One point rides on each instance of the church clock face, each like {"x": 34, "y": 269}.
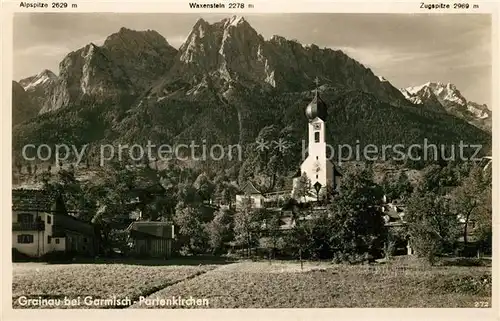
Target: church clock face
{"x": 317, "y": 166}
{"x": 316, "y": 126}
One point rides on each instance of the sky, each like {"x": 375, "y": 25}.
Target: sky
{"x": 406, "y": 49}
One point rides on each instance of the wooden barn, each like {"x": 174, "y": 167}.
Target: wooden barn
{"x": 151, "y": 239}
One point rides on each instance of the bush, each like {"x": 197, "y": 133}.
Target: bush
{"x": 58, "y": 257}
{"x": 465, "y": 261}
{"x": 352, "y": 258}
{"x": 119, "y": 241}
{"x": 389, "y": 249}
{"x": 272, "y": 246}
{"x": 467, "y": 249}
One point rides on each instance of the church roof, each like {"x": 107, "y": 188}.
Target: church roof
{"x": 298, "y": 173}
{"x": 249, "y": 189}
{"x": 317, "y": 107}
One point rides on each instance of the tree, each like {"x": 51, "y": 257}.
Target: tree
{"x": 282, "y": 153}
{"x": 119, "y": 239}
{"x": 18, "y": 165}
{"x": 204, "y": 187}
{"x": 484, "y": 217}
{"x": 302, "y": 188}
{"x": 273, "y": 239}
{"x": 400, "y": 188}
{"x": 191, "y": 228}
{"x": 111, "y": 199}
{"x": 220, "y": 230}
{"x": 431, "y": 226}
{"x": 228, "y": 193}
{"x": 246, "y": 224}
{"x": 45, "y": 178}
{"x": 431, "y": 179}
{"x": 187, "y": 193}
{"x": 312, "y": 234}
{"x": 78, "y": 200}
{"x": 357, "y": 228}
{"x": 225, "y": 191}
{"x": 469, "y": 198}
{"x": 386, "y": 186}
{"x": 270, "y": 157}
{"x": 484, "y": 221}
{"x": 437, "y": 179}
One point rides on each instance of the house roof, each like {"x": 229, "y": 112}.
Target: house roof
{"x": 37, "y": 200}
{"x": 155, "y": 229}
{"x": 64, "y": 223}
{"x": 393, "y": 214}
{"x": 249, "y": 189}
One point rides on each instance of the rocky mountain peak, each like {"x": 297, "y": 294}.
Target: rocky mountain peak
{"x": 227, "y": 50}
{"x": 201, "y": 23}
{"x": 446, "y": 96}
{"x": 40, "y": 79}
{"x": 47, "y": 73}
{"x": 278, "y": 40}
{"x": 445, "y": 92}
{"x": 232, "y": 51}
{"x": 128, "y": 38}
{"x": 37, "y": 88}
{"x": 125, "y": 30}
{"x": 204, "y": 34}
{"x": 128, "y": 62}
{"x": 235, "y": 21}
{"x": 89, "y": 50}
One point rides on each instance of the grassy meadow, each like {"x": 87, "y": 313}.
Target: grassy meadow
{"x": 264, "y": 284}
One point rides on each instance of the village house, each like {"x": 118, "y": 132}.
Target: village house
{"x": 41, "y": 224}
{"x": 151, "y": 239}
{"x": 248, "y": 191}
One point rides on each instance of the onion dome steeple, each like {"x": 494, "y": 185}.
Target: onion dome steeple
{"x": 317, "y": 107}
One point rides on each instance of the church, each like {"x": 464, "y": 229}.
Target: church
{"x": 320, "y": 171}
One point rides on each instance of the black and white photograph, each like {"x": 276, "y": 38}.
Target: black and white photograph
{"x": 260, "y": 160}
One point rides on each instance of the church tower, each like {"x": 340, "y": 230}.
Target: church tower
{"x": 318, "y": 168}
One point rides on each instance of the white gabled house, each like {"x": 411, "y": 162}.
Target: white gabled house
{"x": 41, "y": 224}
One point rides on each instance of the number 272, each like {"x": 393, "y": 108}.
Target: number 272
{"x": 481, "y": 304}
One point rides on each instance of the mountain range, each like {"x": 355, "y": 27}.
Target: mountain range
{"x": 223, "y": 85}
{"x": 449, "y": 99}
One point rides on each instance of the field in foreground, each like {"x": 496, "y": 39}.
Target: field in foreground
{"x": 99, "y": 281}
{"x": 262, "y": 284}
